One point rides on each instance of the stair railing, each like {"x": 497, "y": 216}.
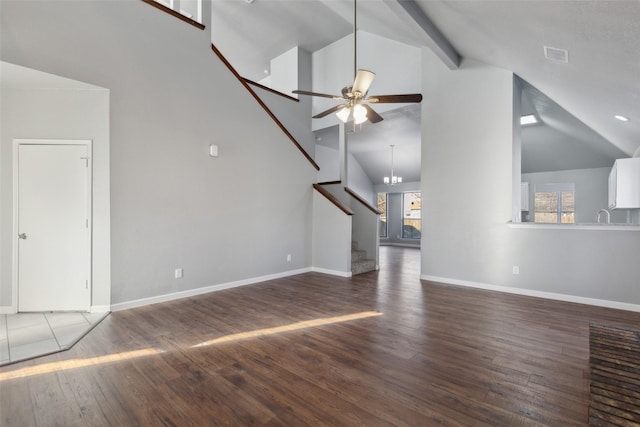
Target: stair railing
{"x": 189, "y": 11}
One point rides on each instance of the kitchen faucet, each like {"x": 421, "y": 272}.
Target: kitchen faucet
{"x": 608, "y": 216}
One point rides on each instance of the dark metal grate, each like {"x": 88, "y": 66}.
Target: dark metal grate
{"x": 614, "y": 365}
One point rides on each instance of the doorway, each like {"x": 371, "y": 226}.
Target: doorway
{"x": 53, "y": 223}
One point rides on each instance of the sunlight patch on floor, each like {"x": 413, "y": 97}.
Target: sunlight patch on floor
{"x": 291, "y": 327}
{"x": 64, "y": 365}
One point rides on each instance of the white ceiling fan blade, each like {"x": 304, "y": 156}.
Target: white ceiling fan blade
{"x": 362, "y": 82}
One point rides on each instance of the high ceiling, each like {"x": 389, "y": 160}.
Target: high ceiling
{"x": 598, "y": 81}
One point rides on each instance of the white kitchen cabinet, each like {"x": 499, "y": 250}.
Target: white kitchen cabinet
{"x": 624, "y": 184}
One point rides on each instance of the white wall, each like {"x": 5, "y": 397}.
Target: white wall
{"x": 359, "y": 182}
{"x": 284, "y": 71}
{"x": 295, "y": 116}
{"x": 467, "y": 164}
{"x": 331, "y": 237}
{"x": 59, "y": 114}
{"x": 222, "y": 220}
{"x": 329, "y": 161}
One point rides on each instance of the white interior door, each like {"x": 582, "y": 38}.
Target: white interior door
{"x": 54, "y": 252}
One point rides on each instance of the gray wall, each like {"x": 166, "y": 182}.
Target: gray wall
{"x": 47, "y": 113}
{"x": 295, "y": 116}
{"x": 329, "y": 161}
{"x": 222, "y": 219}
{"x": 394, "y": 219}
{"x": 467, "y": 178}
{"x": 332, "y": 230}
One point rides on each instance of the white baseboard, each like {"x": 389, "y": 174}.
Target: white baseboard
{"x": 331, "y": 272}
{"x": 204, "y": 290}
{"x": 6, "y": 309}
{"x": 533, "y": 293}
{"x": 99, "y": 308}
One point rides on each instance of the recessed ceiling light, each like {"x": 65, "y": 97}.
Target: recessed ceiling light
{"x": 529, "y": 119}
{"x": 621, "y": 118}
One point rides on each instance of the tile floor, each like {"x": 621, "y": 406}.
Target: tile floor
{"x": 27, "y": 335}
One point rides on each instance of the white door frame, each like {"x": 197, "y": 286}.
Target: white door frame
{"x": 14, "y": 246}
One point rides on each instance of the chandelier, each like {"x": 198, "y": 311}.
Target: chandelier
{"x": 392, "y": 180}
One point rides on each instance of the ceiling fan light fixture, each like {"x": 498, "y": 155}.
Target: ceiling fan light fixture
{"x": 359, "y": 114}
{"x": 343, "y": 114}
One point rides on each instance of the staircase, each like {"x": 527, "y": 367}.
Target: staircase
{"x": 359, "y": 262}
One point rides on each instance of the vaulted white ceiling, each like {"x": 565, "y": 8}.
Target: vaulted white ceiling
{"x": 598, "y": 81}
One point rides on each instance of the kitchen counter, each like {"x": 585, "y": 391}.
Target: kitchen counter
{"x": 592, "y": 226}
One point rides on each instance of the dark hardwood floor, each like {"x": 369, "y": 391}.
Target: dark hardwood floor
{"x": 381, "y": 348}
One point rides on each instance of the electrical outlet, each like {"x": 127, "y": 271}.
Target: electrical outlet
{"x": 516, "y": 269}
{"x": 178, "y": 273}
{"x": 288, "y": 257}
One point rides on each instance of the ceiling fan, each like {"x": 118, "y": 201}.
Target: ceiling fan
{"x": 355, "y": 97}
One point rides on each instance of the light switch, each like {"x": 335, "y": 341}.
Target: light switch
{"x": 213, "y": 150}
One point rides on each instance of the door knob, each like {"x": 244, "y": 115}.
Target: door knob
{"x": 22, "y": 236}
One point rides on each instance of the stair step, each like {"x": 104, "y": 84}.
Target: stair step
{"x": 362, "y": 266}
{"x": 358, "y": 255}
{"x": 359, "y": 262}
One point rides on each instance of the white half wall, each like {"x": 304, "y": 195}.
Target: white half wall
{"x": 284, "y": 71}
{"x": 329, "y": 161}
{"x": 331, "y": 238}
{"x": 467, "y": 188}
{"x": 294, "y": 115}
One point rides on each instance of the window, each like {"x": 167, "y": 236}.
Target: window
{"x": 382, "y": 207}
{"x": 411, "y": 215}
{"x": 554, "y": 203}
